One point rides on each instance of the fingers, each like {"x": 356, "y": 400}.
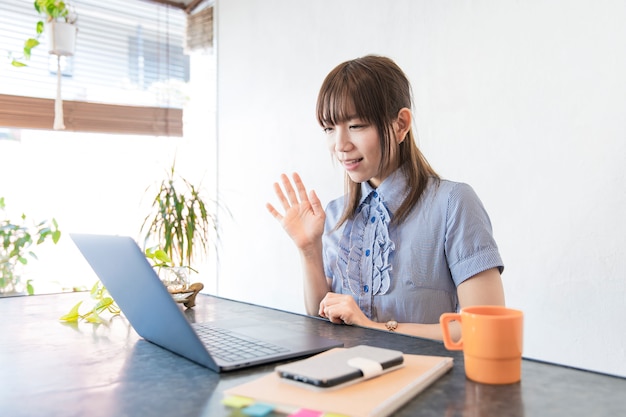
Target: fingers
{"x": 291, "y": 193}
{"x": 324, "y": 304}
{"x": 321, "y": 311}
{"x": 281, "y": 196}
{"x": 300, "y": 187}
{"x": 274, "y": 212}
{"x": 289, "y": 197}
{"x": 341, "y": 309}
{"x": 332, "y": 313}
{"x": 331, "y": 308}
{"x": 335, "y": 315}
{"x": 316, "y": 204}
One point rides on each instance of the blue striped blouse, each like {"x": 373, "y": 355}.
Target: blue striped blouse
{"x": 409, "y": 272}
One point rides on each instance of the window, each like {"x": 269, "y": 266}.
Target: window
{"x": 92, "y": 181}
{"x": 130, "y": 63}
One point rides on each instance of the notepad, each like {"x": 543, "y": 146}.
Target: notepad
{"x": 375, "y": 397}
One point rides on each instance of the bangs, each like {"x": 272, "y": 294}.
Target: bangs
{"x": 335, "y": 104}
{"x": 350, "y": 91}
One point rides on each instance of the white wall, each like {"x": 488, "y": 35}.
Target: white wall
{"x": 523, "y": 100}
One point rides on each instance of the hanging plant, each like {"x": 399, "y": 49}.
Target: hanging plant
{"x": 52, "y": 11}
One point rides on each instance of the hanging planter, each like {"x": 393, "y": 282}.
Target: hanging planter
{"x": 61, "y": 38}
{"x": 54, "y": 12}
{"x": 60, "y": 30}
{"x": 61, "y": 42}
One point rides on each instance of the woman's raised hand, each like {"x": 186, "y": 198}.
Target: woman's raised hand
{"x": 303, "y": 217}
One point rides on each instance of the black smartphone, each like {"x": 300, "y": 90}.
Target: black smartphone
{"x": 342, "y": 366}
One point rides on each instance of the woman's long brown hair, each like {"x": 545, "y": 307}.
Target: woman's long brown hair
{"x": 375, "y": 88}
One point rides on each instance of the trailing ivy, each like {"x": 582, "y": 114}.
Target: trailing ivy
{"x": 103, "y": 303}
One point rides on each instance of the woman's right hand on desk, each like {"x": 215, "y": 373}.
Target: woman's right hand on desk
{"x": 303, "y": 217}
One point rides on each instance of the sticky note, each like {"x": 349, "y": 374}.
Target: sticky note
{"x": 304, "y": 412}
{"x": 236, "y": 401}
{"x": 258, "y": 410}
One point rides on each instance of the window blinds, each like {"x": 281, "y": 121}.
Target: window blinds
{"x": 128, "y": 74}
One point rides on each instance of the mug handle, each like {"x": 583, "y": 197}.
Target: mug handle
{"x": 444, "y": 320}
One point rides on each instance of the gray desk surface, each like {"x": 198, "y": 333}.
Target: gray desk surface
{"x": 48, "y": 368}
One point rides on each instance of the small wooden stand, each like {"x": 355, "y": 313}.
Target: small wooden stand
{"x": 187, "y": 296}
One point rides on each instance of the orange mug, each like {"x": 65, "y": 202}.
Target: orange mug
{"x": 491, "y": 341}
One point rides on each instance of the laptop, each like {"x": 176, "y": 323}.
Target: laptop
{"x": 136, "y": 288}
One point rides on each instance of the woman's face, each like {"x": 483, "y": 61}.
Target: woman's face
{"x": 356, "y": 145}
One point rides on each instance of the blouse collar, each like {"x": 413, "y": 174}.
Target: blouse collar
{"x": 390, "y": 192}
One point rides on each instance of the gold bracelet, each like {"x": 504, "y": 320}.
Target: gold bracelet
{"x": 391, "y": 325}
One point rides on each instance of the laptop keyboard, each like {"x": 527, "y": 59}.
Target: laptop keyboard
{"x": 231, "y": 347}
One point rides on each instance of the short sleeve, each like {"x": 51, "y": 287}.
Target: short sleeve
{"x": 470, "y": 246}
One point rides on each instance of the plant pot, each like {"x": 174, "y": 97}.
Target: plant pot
{"x": 61, "y": 38}
{"x": 178, "y": 283}
{"x": 175, "y": 278}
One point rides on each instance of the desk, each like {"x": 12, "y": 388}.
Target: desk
{"x": 48, "y": 368}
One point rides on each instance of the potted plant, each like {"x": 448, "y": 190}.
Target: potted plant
{"x": 60, "y": 28}
{"x": 179, "y": 230}
{"x": 16, "y": 240}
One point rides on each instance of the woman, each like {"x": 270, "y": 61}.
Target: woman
{"x": 401, "y": 246}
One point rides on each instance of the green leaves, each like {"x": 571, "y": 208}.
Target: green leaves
{"x": 29, "y": 287}
{"x": 16, "y": 241}
{"x": 104, "y": 303}
{"x": 180, "y": 222}
{"x": 73, "y": 314}
{"x": 29, "y": 45}
{"x": 159, "y": 257}
{"x": 17, "y": 63}
{"x": 53, "y": 10}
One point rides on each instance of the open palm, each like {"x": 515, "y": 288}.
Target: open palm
{"x": 303, "y": 217}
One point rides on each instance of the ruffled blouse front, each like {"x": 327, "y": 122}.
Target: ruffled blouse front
{"x": 365, "y": 247}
